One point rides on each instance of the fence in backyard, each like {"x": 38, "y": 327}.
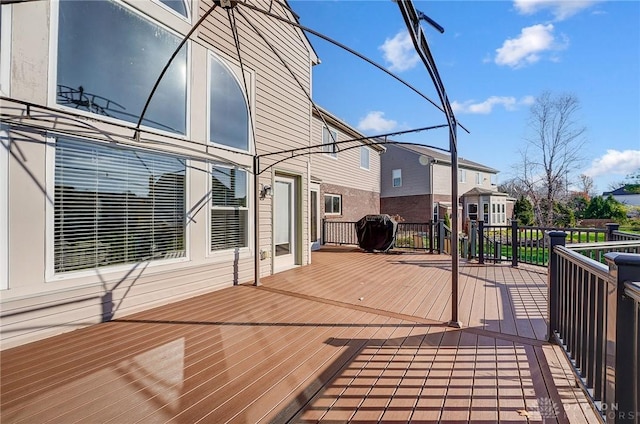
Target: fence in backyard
{"x": 594, "y": 311}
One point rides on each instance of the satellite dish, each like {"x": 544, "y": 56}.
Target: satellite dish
{"x": 424, "y": 160}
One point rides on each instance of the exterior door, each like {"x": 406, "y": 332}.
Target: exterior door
{"x": 314, "y": 221}
{"x": 284, "y": 231}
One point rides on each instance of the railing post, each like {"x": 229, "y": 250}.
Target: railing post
{"x": 323, "y": 231}
{"x": 441, "y": 236}
{"x": 481, "y": 242}
{"x": 473, "y": 236}
{"x": 611, "y": 227}
{"x": 619, "y": 386}
{"x": 432, "y": 228}
{"x": 556, "y": 238}
{"x": 514, "y": 242}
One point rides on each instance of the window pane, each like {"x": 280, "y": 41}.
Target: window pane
{"x": 328, "y": 204}
{"x": 179, "y": 6}
{"x": 116, "y": 206}
{"x": 228, "y": 228}
{"x": 109, "y": 59}
{"x": 329, "y": 137}
{"x": 364, "y": 157}
{"x": 336, "y": 204}
{"x": 229, "y": 116}
{"x": 228, "y": 187}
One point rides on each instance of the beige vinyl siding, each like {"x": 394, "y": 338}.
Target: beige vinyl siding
{"x": 442, "y": 180}
{"x": 34, "y": 308}
{"x": 344, "y": 170}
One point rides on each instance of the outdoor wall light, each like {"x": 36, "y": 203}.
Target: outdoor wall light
{"x": 265, "y": 191}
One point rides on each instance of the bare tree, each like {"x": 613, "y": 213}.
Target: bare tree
{"x": 585, "y": 185}
{"x": 552, "y": 153}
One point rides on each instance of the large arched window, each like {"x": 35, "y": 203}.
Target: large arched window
{"x": 228, "y": 111}
{"x": 109, "y": 57}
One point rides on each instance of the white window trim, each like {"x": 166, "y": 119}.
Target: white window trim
{"x": 333, "y": 213}
{"x": 5, "y": 143}
{"x": 368, "y": 150}
{"x": 478, "y": 178}
{"x": 462, "y": 175}
{"x": 229, "y": 254}
{"x": 393, "y": 178}
{"x": 188, "y": 4}
{"x": 53, "y": 75}
{"x": 333, "y": 155}
{"x": 102, "y": 272}
{"x": 5, "y": 46}
{"x": 249, "y": 99}
{"x": 468, "y": 212}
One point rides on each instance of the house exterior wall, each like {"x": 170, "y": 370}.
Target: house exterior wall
{"x": 343, "y": 175}
{"x": 356, "y": 203}
{"x": 413, "y": 209}
{"x": 37, "y": 302}
{"x": 415, "y": 177}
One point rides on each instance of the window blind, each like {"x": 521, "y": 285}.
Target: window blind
{"x": 116, "y": 206}
{"x": 229, "y": 209}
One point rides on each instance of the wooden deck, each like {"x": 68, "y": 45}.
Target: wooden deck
{"x": 354, "y": 337}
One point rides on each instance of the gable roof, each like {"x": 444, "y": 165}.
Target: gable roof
{"x": 333, "y": 120}
{"x": 444, "y": 157}
{"x": 479, "y": 191}
{"x": 622, "y": 191}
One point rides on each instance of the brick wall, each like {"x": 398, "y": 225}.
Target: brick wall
{"x": 410, "y": 208}
{"x": 355, "y": 203}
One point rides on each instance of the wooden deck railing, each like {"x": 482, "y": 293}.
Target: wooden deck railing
{"x": 594, "y": 315}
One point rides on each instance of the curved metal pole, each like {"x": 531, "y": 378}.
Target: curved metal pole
{"x": 166, "y": 67}
{"x": 350, "y": 50}
{"x": 412, "y": 21}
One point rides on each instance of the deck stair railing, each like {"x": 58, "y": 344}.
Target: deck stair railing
{"x": 594, "y": 314}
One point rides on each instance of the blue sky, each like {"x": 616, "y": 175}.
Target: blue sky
{"x": 494, "y": 58}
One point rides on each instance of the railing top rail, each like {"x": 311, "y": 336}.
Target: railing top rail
{"x": 603, "y": 245}
{"x": 598, "y": 269}
{"x": 566, "y": 230}
{"x": 632, "y": 290}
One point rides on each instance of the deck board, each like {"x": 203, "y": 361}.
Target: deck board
{"x": 354, "y": 337}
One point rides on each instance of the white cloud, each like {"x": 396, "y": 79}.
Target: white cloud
{"x": 374, "y": 121}
{"x": 615, "y": 162}
{"x": 509, "y": 103}
{"x": 561, "y": 9}
{"x": 527, "y": 48}
{"x": 399, "y": 52}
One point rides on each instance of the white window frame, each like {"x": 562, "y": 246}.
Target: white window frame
{"x": 469, "y": 212}
{"x": 330, "y": 149}
{"x": 228, "y": 254}
{"x": 249, "y": 98}
{"x": 332, "y": 197}
{"x": 365, "y": 152}
{"x": 188, "y": 4}
{"x": 396, "y": 174}
{"x": 5, "y": 143}
{"x": 5, "y": 46}
{"x": 53, "y": 73}
{"x": 478, "y": 178}
{"x": 124, "y": 269}
{"x": 462, "y": 175}
{"x": 436, "y": 215}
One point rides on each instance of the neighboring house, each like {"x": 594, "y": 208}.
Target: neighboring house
{"x": 416, "y": 185}
{"x": 99, "y": 220}
{"x": 626, "y": 194}
{"x": 345, "y": 176}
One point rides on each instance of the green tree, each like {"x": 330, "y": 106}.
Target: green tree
{"x": 523, "y": 211}
{"x": 563, "y": 215}
{"x": 579, "y": 203}
{"x": 609, "y": 208}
